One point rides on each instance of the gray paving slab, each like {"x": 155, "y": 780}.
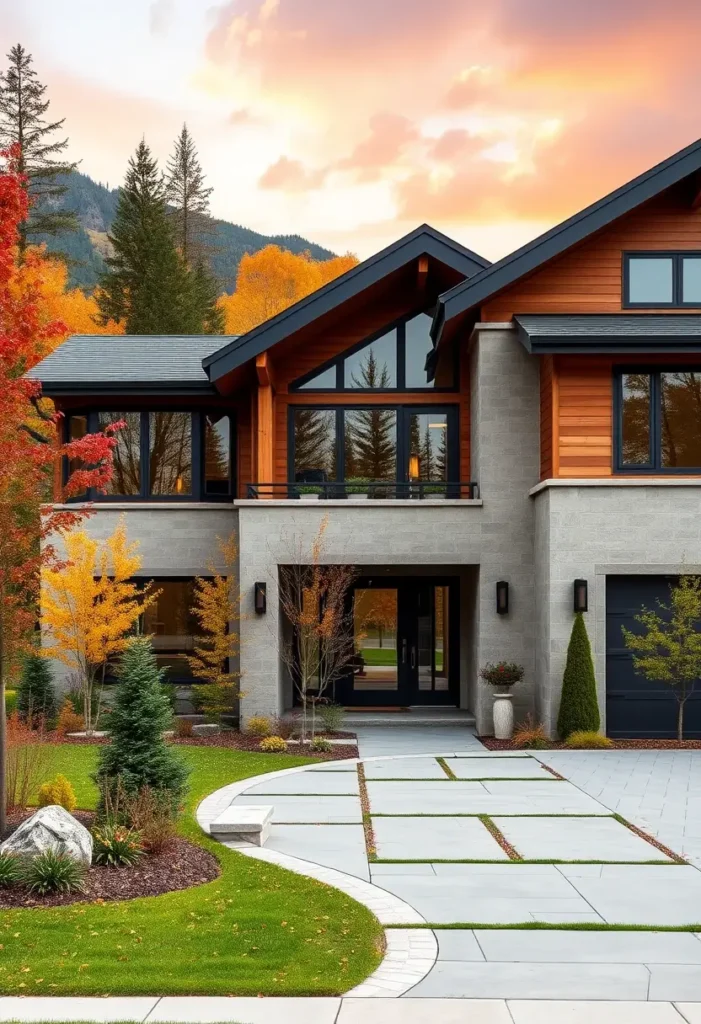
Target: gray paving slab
{"x": 378, "y": 740}
{"x": 494, "y": 871}
{"x": 580, "y": 870}
{"x": 536, "y": 1011}
{"x": 429, "y": 797}
{"x": 690, "y": 1011}
{"x": 334, "y": 766}
{"x": 578, "y": 947}
{"x": 378, "y": 871}
{"x": 310, "y": 809}
{"x": 309, "y": 783}
{"x": 405, "y": 768}
{"x": 674, "y": 982}
{"x": 423, "y": 1011}
{"x": 461, "y": 980}
{"x": 335, "y": 846}
{"x": 244, "y": 1010}
{"x": 77, "y": 1008}
{"x": 544, "y": 786}
{"x": 435, "y": 838}
{"x": 576, "y": 839}
{"x": 497, "y": 767}
{"x": 644, "y": 894}
{"x": 459, "y": 944}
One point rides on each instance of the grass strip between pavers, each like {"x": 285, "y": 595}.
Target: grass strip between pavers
{"x": 452, "y": 777}
{"x": 368, "y": 830}
{"x": 649, "y": 839}
{"x": 497, "y": 834}
{"x": 479, "y": 814}
{"x": 546, "y": 926}
{"x": 531, "y": 860}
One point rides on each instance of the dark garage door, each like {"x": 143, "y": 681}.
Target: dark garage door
{"x": 635, "y": 707}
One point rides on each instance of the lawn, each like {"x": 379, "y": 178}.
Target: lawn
{"x": 257, "y": 930}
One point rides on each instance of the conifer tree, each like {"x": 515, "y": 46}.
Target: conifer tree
{"x": 371, "y": 435}
{"x": 188, "y": 196}
{"x": 22, "y": 109}
{"x": 36, "y": 698}
{"x": 579, "y": 707}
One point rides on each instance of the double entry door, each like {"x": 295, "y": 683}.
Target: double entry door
{"x": 406, "y": 643}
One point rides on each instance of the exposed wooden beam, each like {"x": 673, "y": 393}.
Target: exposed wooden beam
{"x": 264, "y": 446}
{"x": 423, "y": 269}
{"x": 264, "y": 370}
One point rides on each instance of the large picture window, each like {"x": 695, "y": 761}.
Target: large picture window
{"x": 657, "y": 279}
{"x": 166, "y": 454}
{"x": 659, "y": 421}
{"x": 172, "y": 626}
{"x": 392, "y": 360}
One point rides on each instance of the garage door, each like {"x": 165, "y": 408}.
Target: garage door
{"x": 634, "y": 706}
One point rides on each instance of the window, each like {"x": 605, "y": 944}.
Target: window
{"x": 314, "y": 433}
{"x": 165, "y": 454}
{"x": 394, "y": 360}
{"x": 172, "y": 626}
{"x": 659, "y": 421}
{"x": 662, "y": 279}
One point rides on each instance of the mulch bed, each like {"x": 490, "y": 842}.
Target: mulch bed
{"x": 232, "y": 740}
{"x": 492, "y": 744}
{"x": 180, "y": 866}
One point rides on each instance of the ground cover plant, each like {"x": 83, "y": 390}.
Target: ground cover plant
{"x": 256, "y": 929}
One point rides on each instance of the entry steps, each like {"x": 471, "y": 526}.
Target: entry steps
{"x": 416, "y": 716}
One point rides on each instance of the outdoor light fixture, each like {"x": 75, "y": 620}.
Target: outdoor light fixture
{"x": 259, "y": 598}
{"x": 502, "y": 597}
{"x": 581, "y": 596}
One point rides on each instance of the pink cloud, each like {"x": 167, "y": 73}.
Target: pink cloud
{"x": 290, "y": 176}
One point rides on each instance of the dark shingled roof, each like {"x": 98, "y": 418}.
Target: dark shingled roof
{"x": 97, "y": 362}
{"x": 617, "y": 332}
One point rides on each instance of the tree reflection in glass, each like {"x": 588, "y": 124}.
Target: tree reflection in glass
{"x": 681, "y": 420}
{"x": 170, "y": 452}
{"x": 126, "y": 475}
{"x": 635, "y": 419}
{"x": 217, "y": 454}
{"x": 315, "y": 445}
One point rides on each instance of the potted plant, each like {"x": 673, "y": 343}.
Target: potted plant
{"x": 503, "y": 676}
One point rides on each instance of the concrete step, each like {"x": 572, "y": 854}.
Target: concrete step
{"x": 430, "y": 717}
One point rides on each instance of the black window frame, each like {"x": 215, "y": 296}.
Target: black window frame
{"x": 198, "y": 435}
{"x": 677, "y": 257}
{"x": 654, "y": 465}
{"x": 403, "y": 412}
{"x": 338, "y": 360}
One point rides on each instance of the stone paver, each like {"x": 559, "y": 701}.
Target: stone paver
{"x": 334, "y": 766}
{"x": 306, "y": 783}
{"x": 460, "y": 980}
{"x": 335, "y": 846}
{"x": 675, "y": 981}
{"x": 244, "y": 1010}
{"x": 495, "y": 768}
{"x": 405, "y": 768}
{"x": 644, "y": 894}
{"x": 576, "y": 839}
{"x": 573, "y": 947}
{"x": 536, "y": 1011}
{"x": 426, "y": 1011}
{"x": 444, "y": 838}
{"x": 331, "y": 810}
{"x": 473, "y": 798}
{"x": 384, "y": 741}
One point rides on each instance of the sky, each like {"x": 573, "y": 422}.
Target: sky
{"x": 350, "y": 122}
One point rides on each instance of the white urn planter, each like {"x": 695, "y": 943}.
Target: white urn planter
{"x": 503, "y": 716}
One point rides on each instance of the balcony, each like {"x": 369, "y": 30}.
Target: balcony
{"x": 372, "y": 490}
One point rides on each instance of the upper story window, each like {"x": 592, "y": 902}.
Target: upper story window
{"x": 165, "y": 454}
{"x": 659, "y": 421}
{"x": 393, "y": 360}
{"x": 656, "y": 279}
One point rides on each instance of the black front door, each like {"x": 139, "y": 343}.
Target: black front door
{"x": 406, "y": 643}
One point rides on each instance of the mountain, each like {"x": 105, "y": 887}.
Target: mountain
{"x": 95, "y": 205}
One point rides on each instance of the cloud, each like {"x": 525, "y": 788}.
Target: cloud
{"x": 160, "y": 15}
{"x": 290, "y": 176}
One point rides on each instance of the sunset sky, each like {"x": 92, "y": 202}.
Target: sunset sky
{"x": 352, "y": 121}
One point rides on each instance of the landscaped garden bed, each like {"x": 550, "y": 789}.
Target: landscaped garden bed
{"x": 618, "y": 744}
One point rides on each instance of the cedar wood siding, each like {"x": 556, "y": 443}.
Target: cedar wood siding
{"x": 576, "y": 437}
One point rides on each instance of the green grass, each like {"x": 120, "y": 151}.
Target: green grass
{"x": 256, "y": 930}
{"x": 379, "y": 655}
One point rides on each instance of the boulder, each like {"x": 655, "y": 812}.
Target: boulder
{"x": 51, "y": 828}
{"x": 206, "y": 729}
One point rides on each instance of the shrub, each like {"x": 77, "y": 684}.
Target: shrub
{"x": 26, "y": 761}
{"x": 583, "y": 740}
{"x": 183, "y": 728}
{"x": 320, "y": 745}
{"x": 150, "y": 813}
{"x": 138, "y": 754}
{"x": 272, "y": 745}
{"x": 68, "y": 719}
{"x": 504, "y": 673}
{"x": 215, "y": 700}
{"x": 285, "y": 727}
{"x": 259, "y": 725}
{"x": 531, "y": 735}
{"x": 36, "y": 698}
{"x": 579, "y": 708}
{"x": 116, "y": 845}
{"x": 10, "y": 702}
{"x": 58, "y": 791}
{"x": 10, "y": 869}
{"x": 332, "y": 715}
{"x": 53, "y": 872}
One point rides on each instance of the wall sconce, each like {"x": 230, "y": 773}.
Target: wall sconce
{"x": 259, "y": 598}
{"x": 581, "y": 596}
{"x": 502, "y": 597}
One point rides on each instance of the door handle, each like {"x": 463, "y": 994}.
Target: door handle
{"x": 403, "y": 652}
{"x": 413, "y": 657}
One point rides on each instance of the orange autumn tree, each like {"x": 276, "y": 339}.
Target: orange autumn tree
{"x": 90, "y": 606}
{"x": 272, "y": 279}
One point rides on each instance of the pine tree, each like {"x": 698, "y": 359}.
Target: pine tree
{"x": 22, "y": 122}
{"x": 138, "y": 755}
{"x": 371, "y": 435}
{"x": 36, "y": 698}
{"x": 207, "y": 317}
{"x": 188, "y": 196}
{"x": 579, "y": 708}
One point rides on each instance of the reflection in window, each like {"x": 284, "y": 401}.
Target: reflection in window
{"x": 172, "y": 627}
{"x": 217, "y": 454}
{"x": 314, "y": 445}
{"x": 77, "y": 428}
{"x": 651, "y": 279}
{"x": 680, "y": 396}
{"x": 170, "y": 452}
{"x": 370, "y": 444}
{"x": 691, "y": 279}
{"x": 373, "y": 366}
{"x": 375, "y": 629}
{"x": 428, "y": 446}
{"x": 126, "y": 474}
{"x": 635, "y": 419}
{"x": 324, "y": 381}
{"x": 417, "y": 346}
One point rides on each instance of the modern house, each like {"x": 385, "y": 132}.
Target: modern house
{"x": 487, "y": 444}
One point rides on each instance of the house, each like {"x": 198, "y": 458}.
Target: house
{"x": 487, "y": 444}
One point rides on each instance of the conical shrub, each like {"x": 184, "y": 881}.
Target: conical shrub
{"x": 36, "y": 697}
{"x": 579, "y": 708}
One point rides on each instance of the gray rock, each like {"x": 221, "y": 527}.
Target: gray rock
{"x": 51, "y": 828}
{"x": 206, "y": 729}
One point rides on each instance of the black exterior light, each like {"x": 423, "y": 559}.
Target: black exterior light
{"x": 581, "y": 596}
{"x": 259, "y": 598}
{"x": 502, "y": 597}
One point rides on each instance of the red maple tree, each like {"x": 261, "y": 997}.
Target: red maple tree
{"x": 30, "y": 450}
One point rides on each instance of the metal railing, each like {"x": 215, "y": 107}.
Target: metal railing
{"x": 373, "y": 490}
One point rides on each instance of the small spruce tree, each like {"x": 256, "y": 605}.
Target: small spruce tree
{"x": 579, "y": 708}
{"x": 36, "y": 697}
{"x": 138, "y": 754}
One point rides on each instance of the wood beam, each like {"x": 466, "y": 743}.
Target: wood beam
{"x": 264, "y": 427}
{"x": 696, "y": 201}
{"x": 422, "y": 271}
{"x": 263, "y": 369}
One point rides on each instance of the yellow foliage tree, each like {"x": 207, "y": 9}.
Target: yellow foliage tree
{"x": 217, "y": 609}
{"x": 89, "y": 606}
{"x": 272, "y": 279}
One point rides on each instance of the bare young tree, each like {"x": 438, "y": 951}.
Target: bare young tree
{"x": 313, "y": 598}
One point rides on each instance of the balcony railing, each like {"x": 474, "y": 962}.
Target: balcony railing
{"x": 372, "y": 490}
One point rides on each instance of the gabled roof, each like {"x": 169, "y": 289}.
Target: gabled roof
{"x": 552, "y": 333}
{"x": 423, "y": 240}
{"x": 133, "y": 362}
{"x": 557, "y": 240}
